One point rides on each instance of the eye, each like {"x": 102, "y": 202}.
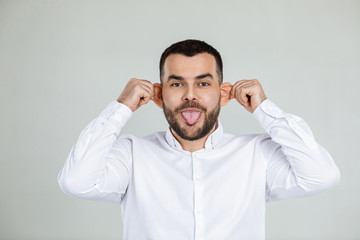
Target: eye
{"x": 176, "y": 84}
{"x": 204, "y": 84}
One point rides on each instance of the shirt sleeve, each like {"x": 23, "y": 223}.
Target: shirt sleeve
{"x": 297, "y": 166}
{"x": 98, "y": 165}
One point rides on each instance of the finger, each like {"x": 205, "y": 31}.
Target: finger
{"x": 237, "y": 90}
{"x": 240, "y": 96}
{"x": 139, "y": 84}
{"x": 147, "y": 91}
{"x": 143, "y": 101}
{"x": 245, "y": 93}
{"x": 138, "y": 93}
{"x": 141, "y": 94}
{"x": 146, "y": 96}
{"x": 243, "y": 96}
{"x": 146, "y": 83}
{"x": 239, "y": 84}
{"x": 248, "y": 93}
{"x": 234, "y": 87}
{"x": 244, "y": 83}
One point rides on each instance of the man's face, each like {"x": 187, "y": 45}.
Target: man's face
{"x": 191, "y": 95}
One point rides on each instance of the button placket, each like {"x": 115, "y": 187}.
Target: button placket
{"x": 198, "y": 198}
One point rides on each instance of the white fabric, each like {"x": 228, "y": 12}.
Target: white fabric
{"x": 218, "y": 192}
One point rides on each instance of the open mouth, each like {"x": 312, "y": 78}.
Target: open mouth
{"x": 191, "y": 116}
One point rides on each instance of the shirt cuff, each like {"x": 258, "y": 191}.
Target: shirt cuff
{"x": 270, "y": 115}
{"x": 267, "y": 112}
{"x": 117, "y": 112}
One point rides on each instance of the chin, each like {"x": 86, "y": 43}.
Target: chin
{"x": 192, "y": 133}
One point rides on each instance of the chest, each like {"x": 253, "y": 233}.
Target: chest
{"x": 231, "y": 172}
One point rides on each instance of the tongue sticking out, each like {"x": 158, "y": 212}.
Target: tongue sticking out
{"x": 190, "y": 116}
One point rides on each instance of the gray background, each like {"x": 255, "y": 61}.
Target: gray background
{"x": 62, "y": 62}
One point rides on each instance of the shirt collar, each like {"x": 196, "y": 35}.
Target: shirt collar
{"x": 210, "y": 143}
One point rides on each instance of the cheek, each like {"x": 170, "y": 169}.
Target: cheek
{"x": 212, "y": 99}
{"x": 171, "y": 96}
{"x": 170, "y": 101}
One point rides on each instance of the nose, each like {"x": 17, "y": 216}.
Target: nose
{"x": 190, "y": 94}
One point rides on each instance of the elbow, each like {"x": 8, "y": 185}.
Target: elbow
{"x": 322, "y": 182}
{"x": 325, "y": 175}
{"x": 332, "y": 178}
{"x": 330, "y": 174}
{"x": 67, "y": 185}
{"x": 72, "y": 186}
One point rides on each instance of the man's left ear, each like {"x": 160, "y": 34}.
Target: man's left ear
{"x": 225, "y": 89}
{"x": 157, "y": 99}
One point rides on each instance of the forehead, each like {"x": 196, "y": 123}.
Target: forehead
{"x": 188, "y": 67}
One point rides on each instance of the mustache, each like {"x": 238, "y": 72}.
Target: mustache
{"x": 190, "y": 104}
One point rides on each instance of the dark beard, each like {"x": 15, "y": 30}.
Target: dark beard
{"x": 209, "y": 122}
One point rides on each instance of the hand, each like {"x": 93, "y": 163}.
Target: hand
{"x": 248, "y": 93}
{"x": 136, "y": 93}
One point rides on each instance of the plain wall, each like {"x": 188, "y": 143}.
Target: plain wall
{"x": 62, "y": 62}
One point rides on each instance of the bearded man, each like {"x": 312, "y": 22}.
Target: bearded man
{"x": 194, "y": 181}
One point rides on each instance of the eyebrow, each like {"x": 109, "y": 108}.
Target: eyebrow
{"x": 204, "y": 76}
{"x": 176, "y": 77}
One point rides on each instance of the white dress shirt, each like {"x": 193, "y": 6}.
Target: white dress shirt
{"x": 216, "y": 193}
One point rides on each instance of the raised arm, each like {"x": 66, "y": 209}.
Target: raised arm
{"x": 297, "y": 166}
{"x": 99, "y": 166}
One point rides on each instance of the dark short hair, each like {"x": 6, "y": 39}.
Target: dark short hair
{"x": 189, "y": 48}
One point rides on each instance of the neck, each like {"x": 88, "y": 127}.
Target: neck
{"x": 194, "y": 145}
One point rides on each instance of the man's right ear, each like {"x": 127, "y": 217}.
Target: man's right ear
{"x": 157, "y": 99}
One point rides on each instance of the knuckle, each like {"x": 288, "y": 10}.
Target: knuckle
{"x": 137, "y": 88}
{"x": 133, "y": 81}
